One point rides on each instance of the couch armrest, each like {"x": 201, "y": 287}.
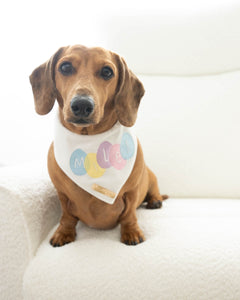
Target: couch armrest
{"x": 29, "y": 209}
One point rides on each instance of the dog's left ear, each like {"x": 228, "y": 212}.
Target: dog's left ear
{"x": 43, "y": 84}
{"x": 129, "y": 92}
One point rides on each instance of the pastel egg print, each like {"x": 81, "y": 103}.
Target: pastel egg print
{"x": 77, "y": 160}
{"x": 103, "y": 155}
{"x": 108, "y": 155}
{"x": 127, "y": 146}
{"x": 115, "y": 157}
{"x": 92, "y": 167}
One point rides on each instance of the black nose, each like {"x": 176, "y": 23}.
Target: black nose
{"x": 82, "y": 106}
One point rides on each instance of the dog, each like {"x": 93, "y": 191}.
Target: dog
{"x": 98, "y": 97}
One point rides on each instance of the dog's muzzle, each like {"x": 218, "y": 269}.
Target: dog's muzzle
{"x": 82, "y": 106}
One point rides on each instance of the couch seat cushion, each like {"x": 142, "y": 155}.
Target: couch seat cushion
{"x": 192, "y": 251}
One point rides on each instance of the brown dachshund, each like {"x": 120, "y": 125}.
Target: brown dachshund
{"x": 95, "y": 90}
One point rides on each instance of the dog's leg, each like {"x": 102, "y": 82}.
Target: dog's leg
{"x": 131, "y": 234}
{"x": 66, "y": 231}
{"x": 154, "y": 198}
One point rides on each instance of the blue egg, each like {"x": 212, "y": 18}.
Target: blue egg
{"x": 127, "y": 146}
{"x": 77, "y": 162}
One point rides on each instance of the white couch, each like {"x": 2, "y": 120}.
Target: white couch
{"x": 189, "y": 127}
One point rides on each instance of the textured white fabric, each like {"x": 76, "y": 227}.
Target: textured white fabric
{"x": 100, "y": 163}
{"x": 29, "y": 209}
{"x": 178, "y": 37}
{"x": 191, "y": 252}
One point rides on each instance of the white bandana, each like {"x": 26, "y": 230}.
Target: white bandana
{"x": 100, "y": 164}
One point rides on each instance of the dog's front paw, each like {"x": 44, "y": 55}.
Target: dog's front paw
{"x": 132, "y": 237}
{"x": 61, "y": 238}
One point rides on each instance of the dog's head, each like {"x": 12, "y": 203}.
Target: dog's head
{"x": 89, "y": 84}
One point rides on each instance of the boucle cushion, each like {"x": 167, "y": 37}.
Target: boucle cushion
{"x": 189, "y": 130}
{"x": 29, "y": 209}
{"x": 191, "y": 252}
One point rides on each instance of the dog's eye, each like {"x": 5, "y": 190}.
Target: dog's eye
{"x": 106, "y": 73}
{"x": 66, "y": 68}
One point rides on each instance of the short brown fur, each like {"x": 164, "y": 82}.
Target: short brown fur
{"x": 115, "y": 100}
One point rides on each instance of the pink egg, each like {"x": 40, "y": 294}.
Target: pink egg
{"x": 115, "y": 157}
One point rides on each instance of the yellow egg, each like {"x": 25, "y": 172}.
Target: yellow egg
{"x": 92, "y": 167}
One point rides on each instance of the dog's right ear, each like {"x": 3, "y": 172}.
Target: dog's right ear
{"x": 43, "y": 84}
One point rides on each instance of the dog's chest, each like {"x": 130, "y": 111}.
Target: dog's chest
{"x": 92, "y": 211}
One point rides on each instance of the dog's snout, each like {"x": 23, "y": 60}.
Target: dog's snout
{"x": 82, "y": 106}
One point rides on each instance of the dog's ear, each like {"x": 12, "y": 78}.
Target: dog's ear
{"x": 43, "y": 84}
{"x": 129, "y": 92}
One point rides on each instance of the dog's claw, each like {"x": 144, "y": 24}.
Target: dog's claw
{"x": 131, "y": 243}
{"x": 60, "y": 238}
{"x": 132, "y": 238}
